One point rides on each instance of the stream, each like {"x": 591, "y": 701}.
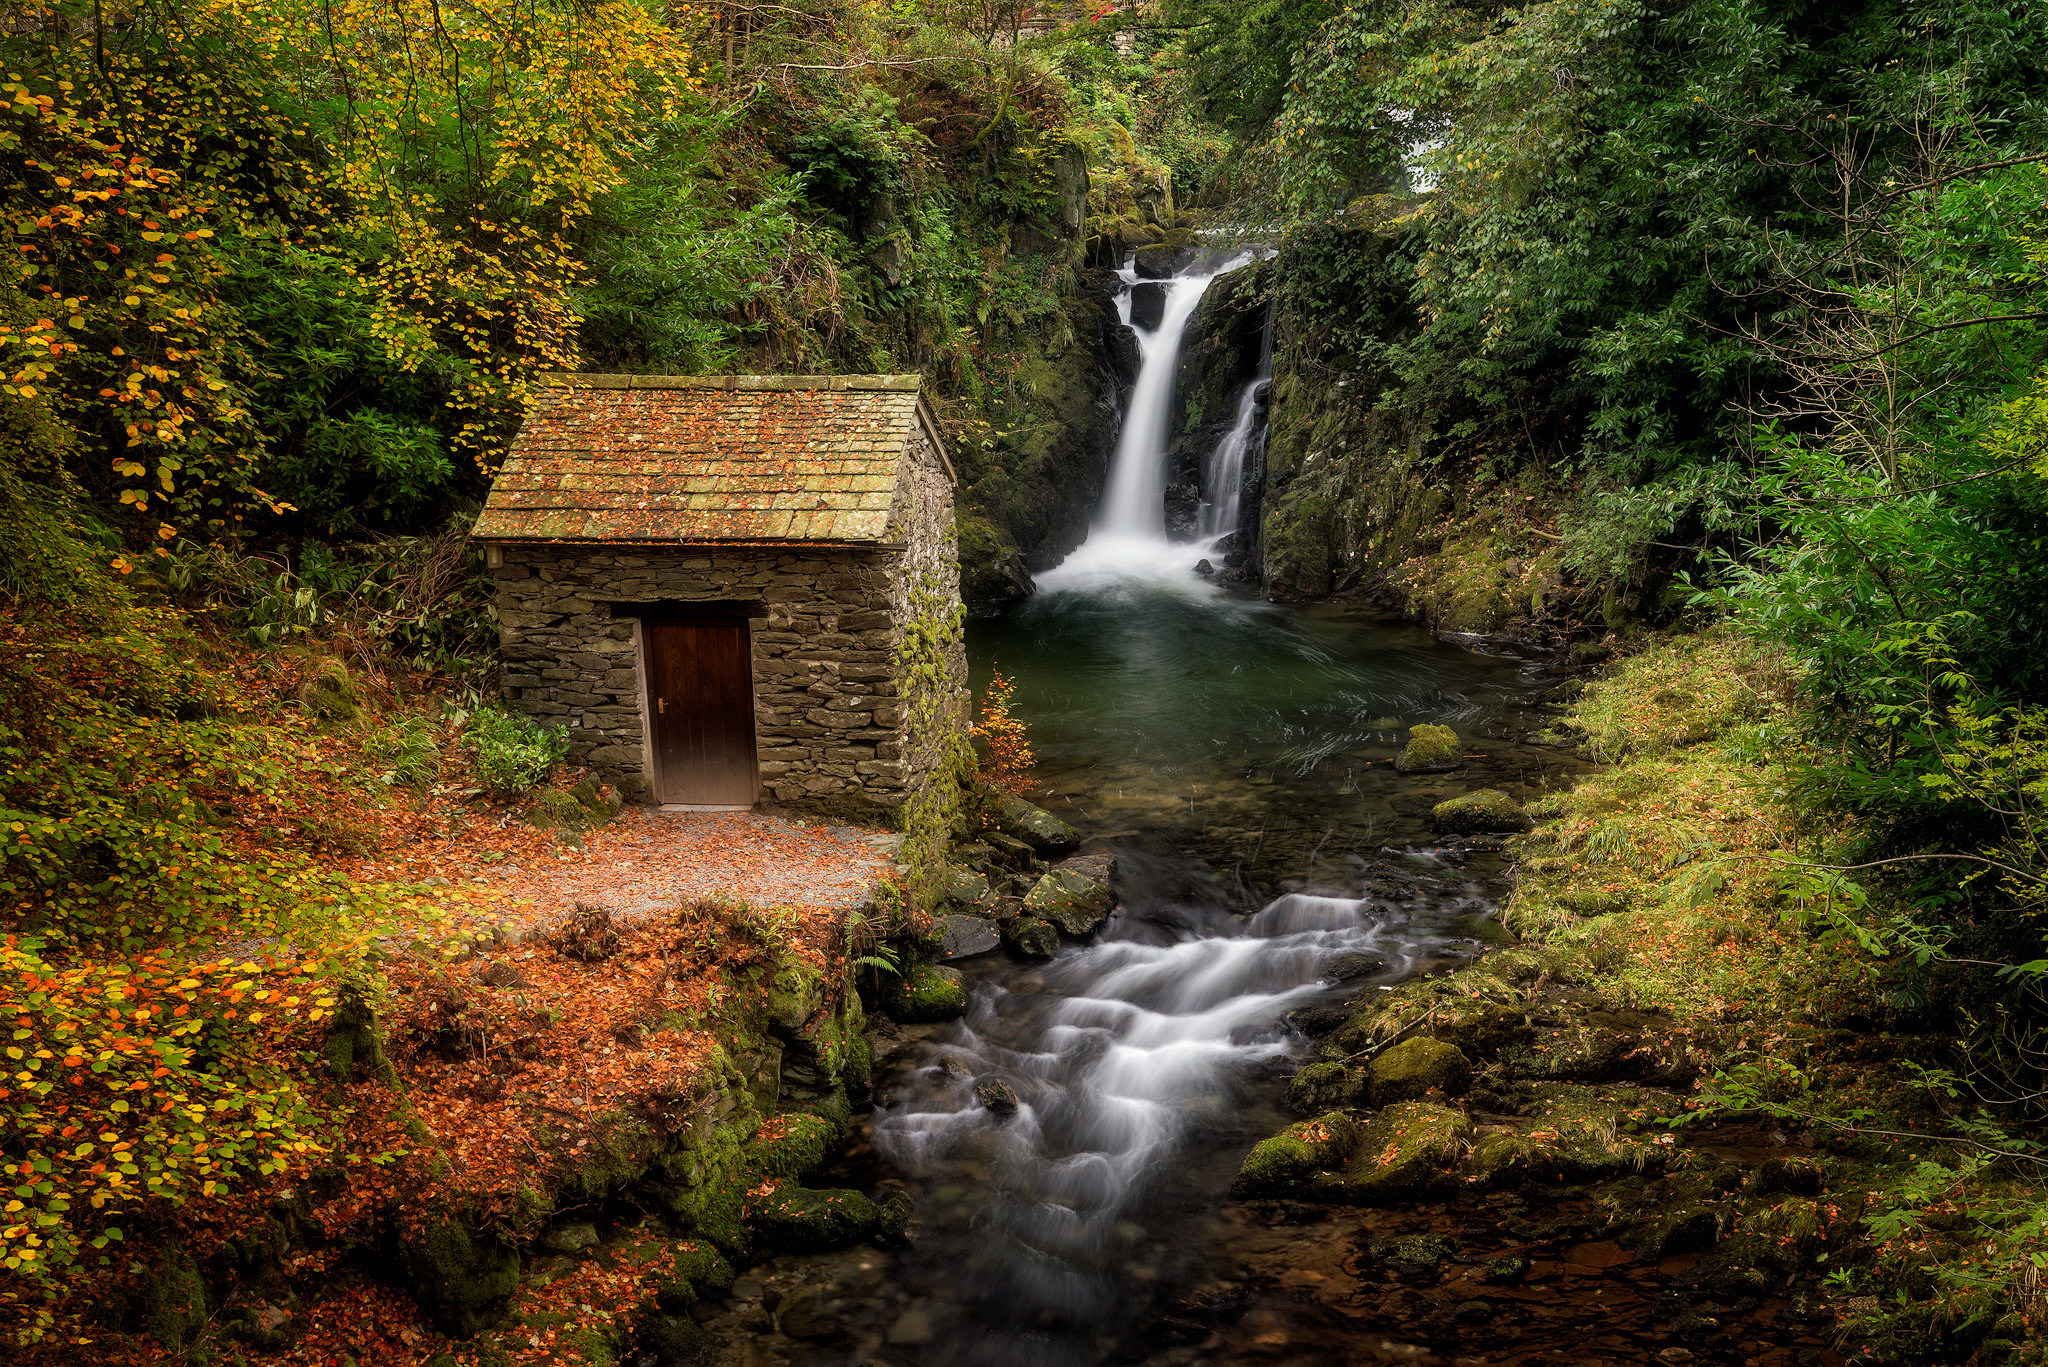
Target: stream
{"x": 1236, "y": 759}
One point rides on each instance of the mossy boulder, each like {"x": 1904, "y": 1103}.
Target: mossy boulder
{"x": 328, "y": 692}
{"x": 1031, "y": 937}
{"x": 1074, "y": 902}
{"x": 170, "y": 1302}
{"x": 462, "y": 1278}
{"x": 1486, "y": 810}
{"x": 1407, "y": 1150}
{"x": 926, "y": 993}
{"x": 1325, "y": 1086}
{"x": 800, "y": 1220}
{"x": 1035, "y": 826}
{"x": 1479, "y": 1028}
{"x": 1417, "y": 1068}
{"x": 696, "y": 1272}
{"x": 992, "y": 570}
{"x": 1431, "y": 750}
{"x": 557, "y": 809}
{"x": 1304, "y": 1160}
{"x": 1575, "y": 1133}
{"x": 791, "y": 1145}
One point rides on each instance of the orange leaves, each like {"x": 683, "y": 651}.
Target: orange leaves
{"x": 1008, "y": 759}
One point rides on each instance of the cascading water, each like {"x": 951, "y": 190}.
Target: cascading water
{"x": 1141, "y": 1062}
{"x": 1226, "y": 465}
{"x": 1128, "y": 541}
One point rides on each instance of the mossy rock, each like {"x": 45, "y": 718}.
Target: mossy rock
{"x": 791, "y": 1145}
{"x": 697, "y": 1272}
{"x": 1688, "y": 1229}
{"x": 992, "y": 570}
{"x": 1417, "y": 1068}
{"x": 329, "y": 693}
{"x": 1588, "y": 903}
{"x": 1431, "y": 750}
{"x": 1074, "y": 902}
{"x": 963, "y": 888}
{"x": 1325, "y": 1086}
{"x": 800, "y": 1220}
{"x": 926, "y": 993}
{"x": 1574, "y": 1134}
{"x": 1031, "y": 937}
{"x": 462, "y": 1279}
{"x": 555, "y": 809}
{"x": 1487, "y": 810}
{"x": 1407, "y": 1150}
{"x": 1301, "y": 1161}
{"x": 1035, "y": 826}
{"x": 170, "y": 1302}
{"x": 1480, "y": 1029}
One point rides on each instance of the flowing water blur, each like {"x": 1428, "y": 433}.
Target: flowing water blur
{"x": 1236, "y": 757}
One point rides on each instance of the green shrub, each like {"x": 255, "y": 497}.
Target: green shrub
{"x": 512, "y": 754}
{"x": 408, "y": 753}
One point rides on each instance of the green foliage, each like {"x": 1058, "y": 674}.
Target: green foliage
{"x": 510, "y": 754}
{"x": 408, "y": 752}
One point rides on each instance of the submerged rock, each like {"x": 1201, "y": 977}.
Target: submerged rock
{"x": 1345, "y": 967}
{"x": 926, "y": 993}
{"x": 998, "y": 1096}
{"x": 1486, "y": 810}
{"x": 1302, "y": 1160}
{"x": 1075, "y": 903}
{"x": 1406, "y": 1151}
{"x": 1416, "y": 1068}
{"x": 1035, "y": 826}
{"x": 1431, "y": 750}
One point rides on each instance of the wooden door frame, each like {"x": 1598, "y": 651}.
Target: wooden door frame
{"x": 689, "y": 614}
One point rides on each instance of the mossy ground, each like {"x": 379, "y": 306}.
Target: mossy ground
{"x": 1676, "y": 1002}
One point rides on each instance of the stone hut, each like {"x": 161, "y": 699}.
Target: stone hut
{"x": 735, "y": 587}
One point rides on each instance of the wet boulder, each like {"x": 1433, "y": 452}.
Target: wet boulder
{"x": 1101, "y": 867}
{"x": 1302, "y": 1161}
{"x": 926, "y": 993}
{"x": 1345, "y": 967}
{"x": 1431, "y": 750}
{"x": 1325, "y": 1086}
{"x": 964, "y": 888}
{"x": 1487, "y": 810}
{"x": 1035, "y": 826}
{"x": 1148, "y": 304}
{"x": 1418, "y": 1068}
{"x": 996, "y": 1096}
{"x": 1407, "y": 1150}
{"x": 1075, "y": 903}
{"x": 1031, "y": 937}
{"x": 1479, "y": 1028}
{"x": 963, "y": 937}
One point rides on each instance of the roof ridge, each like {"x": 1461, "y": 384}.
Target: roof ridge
{"x": 577, "y": 379}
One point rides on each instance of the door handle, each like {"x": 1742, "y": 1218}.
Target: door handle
{"x": 661, "y": 706}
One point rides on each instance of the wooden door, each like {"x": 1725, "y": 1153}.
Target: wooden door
{"x": 700, "y": 706}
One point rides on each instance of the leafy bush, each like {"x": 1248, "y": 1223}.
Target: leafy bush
{"x": 408, "y": 751}
{"x": 513, "y": 755}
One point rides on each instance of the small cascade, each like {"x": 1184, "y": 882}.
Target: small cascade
{"x": 1226, "y": 464}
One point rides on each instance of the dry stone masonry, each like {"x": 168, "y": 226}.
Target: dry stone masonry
{"x": 819, "y": 509}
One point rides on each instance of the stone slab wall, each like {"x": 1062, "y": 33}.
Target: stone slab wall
{"x": 826, "y": 716}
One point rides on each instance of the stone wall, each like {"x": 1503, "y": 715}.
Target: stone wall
{"x": 828, "y": 626}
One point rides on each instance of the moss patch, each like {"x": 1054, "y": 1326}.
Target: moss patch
{"x": 1301, "y": 1161}
{"x": 1430, "y": 750}
{"x": 1407, "y": 1150}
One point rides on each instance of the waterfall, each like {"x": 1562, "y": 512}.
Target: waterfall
{"x": 1134, "y": 505}
{"x": 1226, "y": 464}
{"x": 1128, "y": 541}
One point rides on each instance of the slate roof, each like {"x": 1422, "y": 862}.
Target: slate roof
{"x": 706, "y": 458}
